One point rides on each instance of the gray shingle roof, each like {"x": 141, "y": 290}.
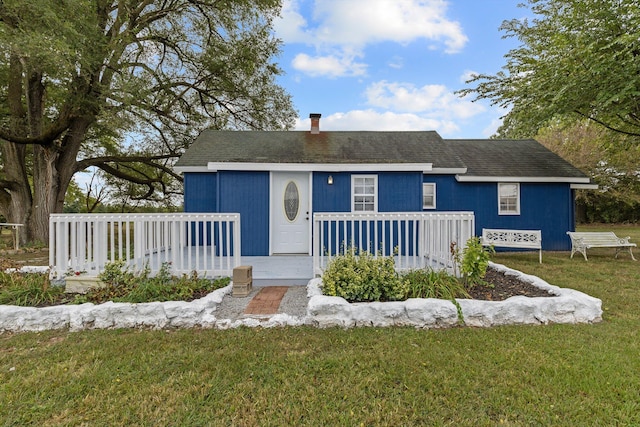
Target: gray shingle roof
{"x": 511, "y": 158}
{"x": 480, "y": 157}
{"x": 325, "y": 147}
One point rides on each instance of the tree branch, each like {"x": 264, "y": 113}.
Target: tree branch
{"x": 606, "y": 125}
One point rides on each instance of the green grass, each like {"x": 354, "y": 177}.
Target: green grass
{"x": 560, "y": 375}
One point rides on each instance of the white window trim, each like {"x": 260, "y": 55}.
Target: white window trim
{"x": 375, "y": 192}
{"x": 433, "y": 185}
{"x": 517, "y": 211}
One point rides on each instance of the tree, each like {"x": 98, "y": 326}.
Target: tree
{"x": 123, "y": 86}
{"x": 609, "y": 158}
{"x": 577, "y": 59}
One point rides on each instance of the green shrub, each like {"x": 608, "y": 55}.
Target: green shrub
{"x": 474, "y": 262}
{"x": 28, "y": 290}
{"x": 121, "y": 285}
{"x": 429, "y": 283}
{"x": 363, "y": 278}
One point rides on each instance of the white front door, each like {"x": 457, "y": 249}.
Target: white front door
{"x": 290, "y": 220}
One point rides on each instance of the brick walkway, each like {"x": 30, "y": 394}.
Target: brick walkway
{"x": 267, "y": 300}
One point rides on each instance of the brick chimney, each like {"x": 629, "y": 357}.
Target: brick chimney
{"x": 315, "y": 123}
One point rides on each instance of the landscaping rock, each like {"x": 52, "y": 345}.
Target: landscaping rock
{"x": 565, "y": 306}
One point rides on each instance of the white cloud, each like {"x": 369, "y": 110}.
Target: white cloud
{"x": 371, "y": 120}
{"x": 492, "y": 128}
{"x": 351, "y": 25}
{"x": 329, "y": 66}
{"x": 468, "y": 75}
{"x": 434, "y": 100}
{"x": 362, "y": 22}
{"x": 291, "y": 25}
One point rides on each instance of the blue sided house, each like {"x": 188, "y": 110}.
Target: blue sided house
{"x": 277, "y": 180}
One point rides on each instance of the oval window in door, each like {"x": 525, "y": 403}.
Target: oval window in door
{"x": 291, "y": 201}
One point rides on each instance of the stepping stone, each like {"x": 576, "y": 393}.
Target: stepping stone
{"x": 266, "y": 301}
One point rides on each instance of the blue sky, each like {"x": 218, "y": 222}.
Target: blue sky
{"x": 393, "y": 64}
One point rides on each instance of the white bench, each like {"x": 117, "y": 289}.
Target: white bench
{"x": 521, "y": 239}
{"x": 583, "y": 240}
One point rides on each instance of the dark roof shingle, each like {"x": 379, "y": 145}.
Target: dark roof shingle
{"x": 511, "y": 158}
{"x": 325, "y": 147}
{"x": 480, "y": 157}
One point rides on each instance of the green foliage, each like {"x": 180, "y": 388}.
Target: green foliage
{"x": 116, "y": 274}
{"x": 603, "y": 207}
{"x": 121, "y": 285}
{"x": 576, "y": 59}
{"x": 610, "y": 159}
{"x": 28, "y": 289}
{"x": 474, "y": 261}
{"x": 363, "y": 277}
{"x": 123, "y": 87}
{"x": 429, "y": 283}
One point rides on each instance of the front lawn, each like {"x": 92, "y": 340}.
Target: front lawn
{"x": 561, "y": 375}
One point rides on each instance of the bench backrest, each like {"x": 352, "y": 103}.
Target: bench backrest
{"x": 594, "y": 236}
{"x": 598, "y": 239}
{"x": 512, "y": 238}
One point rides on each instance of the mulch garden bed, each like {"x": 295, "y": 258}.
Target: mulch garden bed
{"x": 503, "y": 286}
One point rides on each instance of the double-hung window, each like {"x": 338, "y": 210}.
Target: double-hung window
{"x": 364, "y": 191}
{"x": 509, "y": 199}
{"x": 428, "y": 195}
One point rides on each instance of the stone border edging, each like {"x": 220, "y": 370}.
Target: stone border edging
{"x": 153, "y": 315}
{"x": 569, "y": 306}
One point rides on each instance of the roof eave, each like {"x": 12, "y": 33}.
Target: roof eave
{"x": 320, "y": 167}
{"x": 590, "y": 186}
{"x": 183, "y": 169}
{"x": 558, "y": 179}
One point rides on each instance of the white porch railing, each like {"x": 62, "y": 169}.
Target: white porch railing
{"x": 206, "y": 243}
{"x": 415, "y": 239}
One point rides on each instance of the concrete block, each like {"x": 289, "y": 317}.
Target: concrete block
{"x": 241, "y": 289}
{"x": 243, "y": 274}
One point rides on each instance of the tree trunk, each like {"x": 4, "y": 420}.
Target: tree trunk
{"x": 53, "y": 171}
{"x": 53, "y": 164}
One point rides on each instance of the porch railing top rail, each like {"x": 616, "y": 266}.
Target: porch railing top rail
{"x": 389, "y": 215}
{"x": 176, "y": 215}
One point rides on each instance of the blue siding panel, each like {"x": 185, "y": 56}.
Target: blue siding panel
{"x": 543, "y": 206}
{"x": 247, "y": 193}
{"x": 399, "y": 191}
{"x": 200, "y": 193}
{"x": 331, "y": 198}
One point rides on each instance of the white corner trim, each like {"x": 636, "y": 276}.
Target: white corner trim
{"x": 447, "y": 171}
{"x": 584, "y": 186}
{"x": 318, "y": 167}
{"x": 183, "y": 169}
{"x": 569, "y": 180}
